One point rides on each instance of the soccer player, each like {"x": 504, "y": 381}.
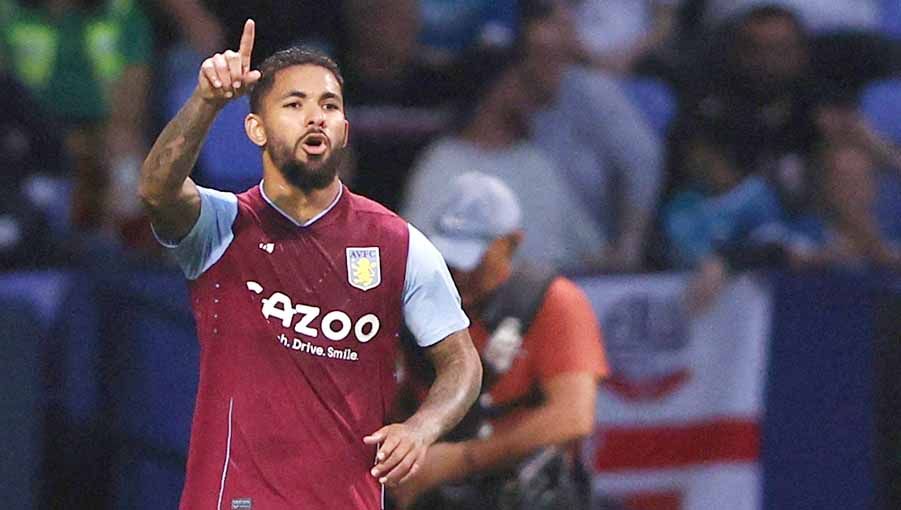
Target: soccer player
{"x": 299, "y": 289}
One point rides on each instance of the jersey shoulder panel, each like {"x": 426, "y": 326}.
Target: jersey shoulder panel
{"x": 364, "y": 205}
{"x": 375, "y": 214}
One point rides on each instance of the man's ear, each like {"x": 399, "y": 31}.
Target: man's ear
{"x": 256, "y": 131}
{"x": 346, "y": 133}
{"x": 513, "y": 240}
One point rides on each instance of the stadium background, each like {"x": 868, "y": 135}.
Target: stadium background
{"x": 99, "y": 359}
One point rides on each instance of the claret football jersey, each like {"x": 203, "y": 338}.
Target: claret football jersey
{"x": 298, "y": 326}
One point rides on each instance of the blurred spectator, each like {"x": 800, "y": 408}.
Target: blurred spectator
{"x": 613, "y": 160}
{"x": 542, "y": 354}
{"x": 751, "y": 225}
{"x": 618, "y": 35}
{"x": 816, "y": 15}
{"x": 847, "y": 44}
{"x": 494, "y": 140}
{"x": 87, "y": 63}
{"x": 766, "y": 142}
{"x": 601, "y": 143}
{"x": 754, "y": 92}
{"x": 395, "y": 103}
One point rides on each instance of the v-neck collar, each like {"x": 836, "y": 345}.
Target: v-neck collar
{"x": 312, "y": 220}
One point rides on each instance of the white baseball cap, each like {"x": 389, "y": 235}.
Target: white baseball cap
{"x": 477, "y": 209}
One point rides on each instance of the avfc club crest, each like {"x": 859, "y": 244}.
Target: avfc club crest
{"x": 363, "y": 269}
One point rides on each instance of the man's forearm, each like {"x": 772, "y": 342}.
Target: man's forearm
{"x": 456, "y": 386}
{"x": 568, "y": 414}
{"x": 540, "y": 427}
{"x": 175, "y": 151}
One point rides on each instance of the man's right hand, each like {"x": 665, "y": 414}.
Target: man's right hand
{"x": 225, "y": 76}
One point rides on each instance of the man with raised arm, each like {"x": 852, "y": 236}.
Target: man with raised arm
{"x": 299, "y": 289}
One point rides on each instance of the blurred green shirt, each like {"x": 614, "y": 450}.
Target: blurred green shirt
{"x": 70, "y": 62}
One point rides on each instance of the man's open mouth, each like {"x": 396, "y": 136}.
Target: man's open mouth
{"x": 315, "y": 144}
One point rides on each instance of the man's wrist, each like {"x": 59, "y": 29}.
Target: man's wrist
{"x": 213, "y": 104}
{"x": 428, "y": 431}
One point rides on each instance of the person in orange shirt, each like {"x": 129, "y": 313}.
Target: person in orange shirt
{"x": 542, "y": 357}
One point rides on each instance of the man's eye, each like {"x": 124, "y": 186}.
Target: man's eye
{"x": 295, "y": 104}
{"x": 332, "y": 106}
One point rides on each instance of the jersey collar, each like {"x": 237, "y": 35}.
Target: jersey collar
{"x": 312, "y": 220}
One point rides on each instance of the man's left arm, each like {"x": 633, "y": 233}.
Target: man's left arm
{"x": 433, "y": 314}
{"x": 457, "y": 381}
{"x": 634, "y": 153}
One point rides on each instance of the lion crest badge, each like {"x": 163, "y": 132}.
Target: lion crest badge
{"x": 363, "y": 268}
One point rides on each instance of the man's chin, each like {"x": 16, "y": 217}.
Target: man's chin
{"x": 310, "y": 177}
{"x": 313, "y": 164}
{"x": 317, "y": 168}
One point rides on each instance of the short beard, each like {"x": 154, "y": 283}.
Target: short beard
{"x": 301, "y": 175}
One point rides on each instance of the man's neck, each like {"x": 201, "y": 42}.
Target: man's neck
{"x": 301, "y": 206}
{"x": 486, "y": 289}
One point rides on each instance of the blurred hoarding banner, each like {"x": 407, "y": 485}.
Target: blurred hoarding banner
{"x": 678, "y": 422}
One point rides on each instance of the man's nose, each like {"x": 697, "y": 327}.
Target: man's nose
{"x": 316, "y": 117}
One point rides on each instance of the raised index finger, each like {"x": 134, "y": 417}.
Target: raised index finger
{"x": 246, "y": 47}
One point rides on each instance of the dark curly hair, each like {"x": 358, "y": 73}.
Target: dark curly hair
{"x": 296, "y": 56}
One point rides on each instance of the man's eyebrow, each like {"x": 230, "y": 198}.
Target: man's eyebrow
{"x": 303, "y": 95}
{"x": 295, "y": 93}
{"x": 330, "y": 95}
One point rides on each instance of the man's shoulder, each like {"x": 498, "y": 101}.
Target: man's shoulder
{"x": 371, "y": 210}
{"x": 250, "y": 197}
{"x": 565, "y": 336}
{"x": 564, "y": 288}
{"x": 564, "y": 295}
{"x": 372, "y": 213}
{"x": 364, "y": 205}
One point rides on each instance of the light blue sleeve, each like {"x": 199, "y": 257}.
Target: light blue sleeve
{"x": 431, "y": 302}
{"x": 209, "y": 237}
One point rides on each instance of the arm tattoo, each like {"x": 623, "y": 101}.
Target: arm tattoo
{"x": 459, "y": 375}
{"x": 176, "y": 149}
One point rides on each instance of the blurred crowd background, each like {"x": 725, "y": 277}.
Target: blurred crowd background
{"x": 647, "y": 135}
{"x": 704, "y": 136}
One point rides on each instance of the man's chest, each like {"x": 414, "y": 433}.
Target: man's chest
{"x": 306, "y": 293}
